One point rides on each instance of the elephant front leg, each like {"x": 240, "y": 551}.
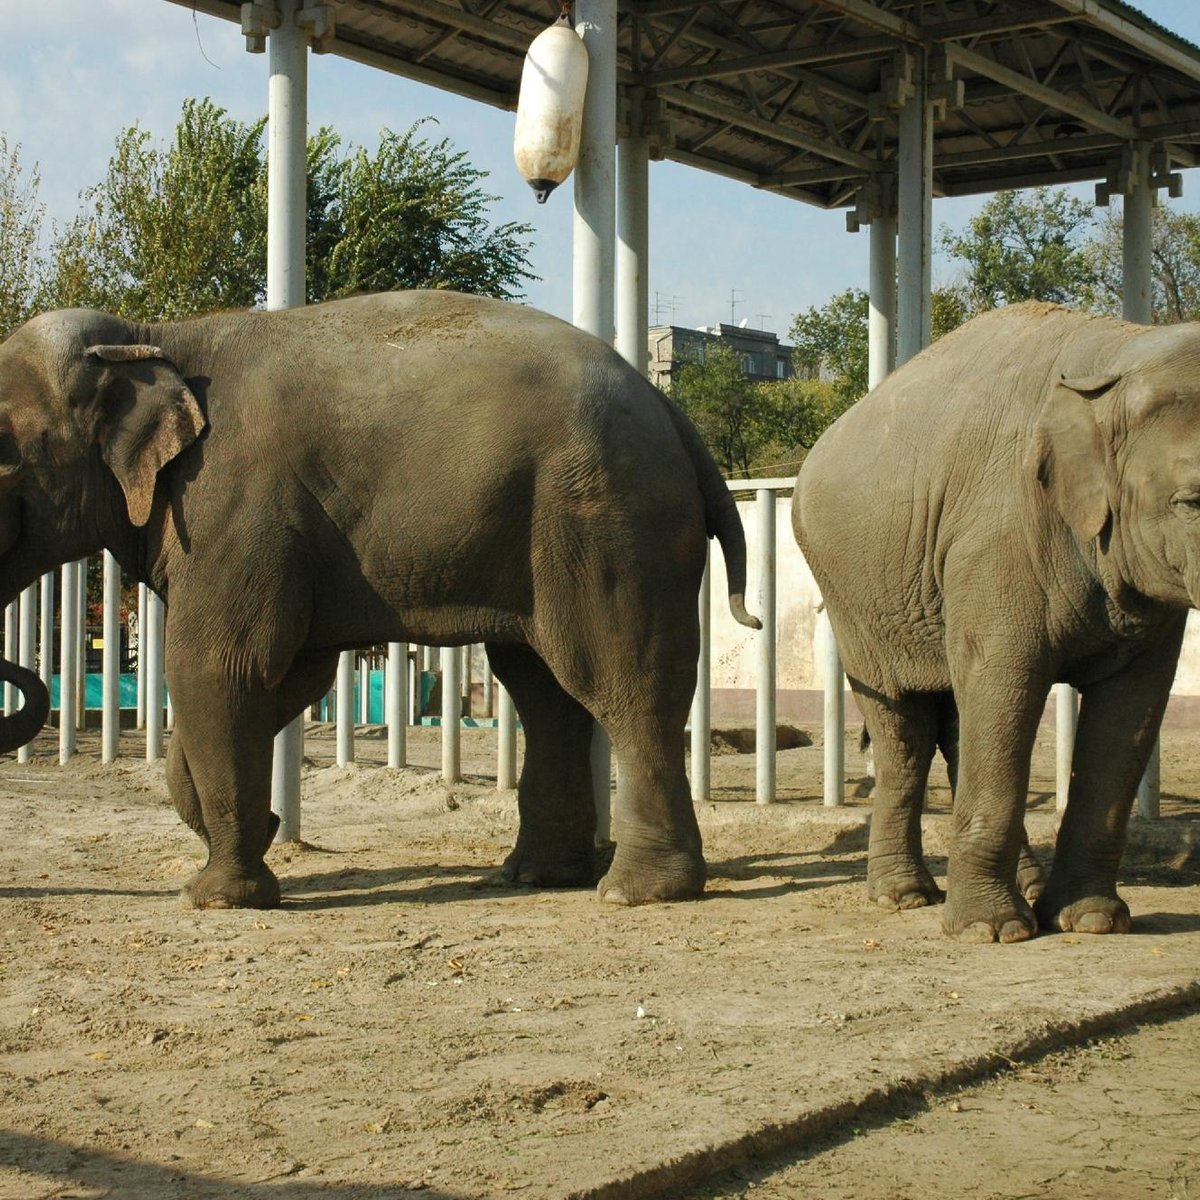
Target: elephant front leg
{"x": 222, "y": 774}
{"x": 903, "y": 734}
{"x": 999, "y": 713}
{"x": 1119, "y": 720}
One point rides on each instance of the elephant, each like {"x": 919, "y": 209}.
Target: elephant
{"x": 1015, "y": 506}
{"x": 412, "y": 466}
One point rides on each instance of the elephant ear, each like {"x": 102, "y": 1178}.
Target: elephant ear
{"x": 1069, "y": 455}
{"x": 150, "y": 415}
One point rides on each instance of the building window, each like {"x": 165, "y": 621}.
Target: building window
{"x": 781, "y": 368}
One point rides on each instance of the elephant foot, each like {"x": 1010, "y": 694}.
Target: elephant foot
{"x": 528, "y": 867}
{"x": 667, "y": 877}
{"x": 981, "y": 920}
{"x": 1090, "y": 914}
{"x": 901, "y": 890}
{"x": 221, "y": 887}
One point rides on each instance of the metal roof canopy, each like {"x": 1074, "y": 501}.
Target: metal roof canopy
{"x": 800, "y": 97}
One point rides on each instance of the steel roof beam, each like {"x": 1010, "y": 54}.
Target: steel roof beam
{"x": 775, "y": 60}
{"x": 769, "y": 130}
{"x": 1051, "y": 97}
{"x": 1163, "y": 49}
{"x": 866, "y": 13}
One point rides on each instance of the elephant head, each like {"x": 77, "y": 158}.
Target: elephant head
{"x": 90, "y": 412}
{"x": 1118, "y": 455}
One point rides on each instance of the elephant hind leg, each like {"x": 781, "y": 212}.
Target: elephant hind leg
{"x": 556, "y": 839}
{"x": 904, "y": 733}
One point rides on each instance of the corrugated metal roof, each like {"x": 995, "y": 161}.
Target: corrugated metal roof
{"x": 799, "y": 96}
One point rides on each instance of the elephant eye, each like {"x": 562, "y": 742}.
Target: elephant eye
{"x": 1186, "y": 501}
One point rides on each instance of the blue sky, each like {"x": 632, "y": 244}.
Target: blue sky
{"x": 74, "y": 73}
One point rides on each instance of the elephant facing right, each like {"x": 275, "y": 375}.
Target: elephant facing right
{"x": 1016, "y": 506}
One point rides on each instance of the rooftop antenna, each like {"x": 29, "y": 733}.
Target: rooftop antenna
{"x": 735, "y": 294}
{"x": 761, "y": 318}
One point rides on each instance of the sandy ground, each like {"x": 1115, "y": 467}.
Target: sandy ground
{"x": 404, "y": 1025}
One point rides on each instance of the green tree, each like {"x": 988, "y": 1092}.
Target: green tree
{"x": 831, "y": 343}
{"x": 1175, "y": 265}
{"x": 182, "y": 230}
{"x": 724, "y": 405}
{"x": 172, "y": 232}
{"x": 1022, "y": 247}
{"x": 22, "y": 269}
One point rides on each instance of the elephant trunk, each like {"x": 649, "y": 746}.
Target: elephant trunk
{"x": 24, "y": 725}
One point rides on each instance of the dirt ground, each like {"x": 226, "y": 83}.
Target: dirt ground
{"x": 406, "y": 1026}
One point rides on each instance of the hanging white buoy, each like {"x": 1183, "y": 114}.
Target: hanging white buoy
{"x": 550, "y": 107}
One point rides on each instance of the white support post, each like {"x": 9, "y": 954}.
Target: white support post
{"x": 46, "y": 638}
{"x": 764, "y": 726}
{"x": 154, "y": 676}
{"x": 396, "y": 704}
{"x": 81, "y": 659}
{"x": 835, "y": 715}
{"x": 1066, "y": 716}
{"x": 468, "y": 680}
{"x": 881, "y": 321}
{"x": 506, "y": 729}
{"x": 489, "y": 689}
{"x": 12, "y": 613}
{"x": 287, "y": 148}
{"x": 593, "y": 256}
{"x": 27, "y": 646}
{"x": 702, "y": 701}
{"x": 633, "y": 237}
{"x": 1137, "y": 306}
{"x": 344, "y": 716}
{"x": 451, "y": 714}
{"x": 364, "y": 690}
{"x": 67, "y": 654}
{"x": 915, "y": 214}
{"x": 143, "y": 592}
{"x": 110, "y": 723}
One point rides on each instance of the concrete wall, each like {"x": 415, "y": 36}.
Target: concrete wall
{"x": 800, "y": 681}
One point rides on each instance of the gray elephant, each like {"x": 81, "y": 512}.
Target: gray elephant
{"x": 422, "y": 466}
{"x": 1017, "y": 505}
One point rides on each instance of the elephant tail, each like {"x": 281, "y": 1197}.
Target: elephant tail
{"x": 720, "y": 514}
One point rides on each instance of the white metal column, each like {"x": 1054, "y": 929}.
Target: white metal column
{"x": 1137, "y": 305}
{"x": 914, "y": 187}
{"x": 143, "y": 592}
{"x": 702, "y": 701}
{"x": 287, "y": 139}
{"x": 633, "y": 271}
{"x": 506, "y": 728}
{"x": 594, "y": 253}
{"x": 11, "y": 619}
{"x": 451, "y": 714}
{"x": 396, "y": 703}
{"x": 153, "y": 650}
{"x": 27, "y": 647}
{"x": 46, "y": 636}
{"x": 345, "y": 708}
{"x": 68, "y": 651}
{"x": 881, "y": 320}
{"x": 110, "y": 724}
{"x": 764, "y": 725}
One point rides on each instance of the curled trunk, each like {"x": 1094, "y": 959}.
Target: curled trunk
{"x": 26, "y": 723}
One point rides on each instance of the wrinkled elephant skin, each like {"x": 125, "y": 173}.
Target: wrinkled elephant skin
{"x": 419, "y": 466}
{"x": 1016, "y": 506}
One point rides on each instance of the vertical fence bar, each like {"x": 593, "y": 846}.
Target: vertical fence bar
{"x": 12, "y": 618}
{"x": 143, "y": 592}
{"x": 702, "y": 701}
{"x": 468, "y": 680}
{"x": 764, "y": 739}
{"x": 154, "y": 676}
{"x": 81, "y": 660}
{"x": 344, "y": 716}
{"x": 835, "y": 717}
{"x": 1066, "y": 716}
{"x": 364, "y": 690}
{"x": 451, "y": 713}
{"x": 27, "y": 646}
{"x": 489, "y": 689}
{"x": 46, "y": 640}
{"x": 396, "y": 703}
{"x": 506, "y": 739}
{"x": 110, "y": 722}
{"x": 67, "y": 654}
